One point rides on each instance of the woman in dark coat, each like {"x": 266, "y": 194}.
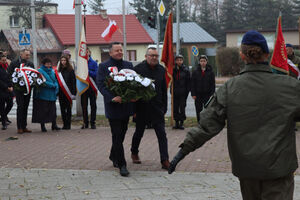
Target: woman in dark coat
{"x": 44, "y": 108}
{"x": 5, "y": 92}
{"x": 67, "y": 89}
{"x": 202, "y": 85}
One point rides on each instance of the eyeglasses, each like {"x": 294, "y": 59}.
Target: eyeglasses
{"x": 153, "y": 55}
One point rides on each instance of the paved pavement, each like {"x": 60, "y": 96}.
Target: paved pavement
{"x": 74, "y": 165}
{"x": 60, "y": 184}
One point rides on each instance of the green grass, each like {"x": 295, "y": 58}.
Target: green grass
{"x": 101, "y": 120}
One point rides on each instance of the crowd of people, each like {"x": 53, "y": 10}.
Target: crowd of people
{"x": 60, "y": 82}
{"x": 259, "y": 107}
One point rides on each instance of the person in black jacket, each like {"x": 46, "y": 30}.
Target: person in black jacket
{"x": 65, "y": 98}
{"x": 90, "y": 95}
{"x": 154, "y": 110}
{"x": 9, "y": 100}
{"x": 181, "y": 84}
{"x": 5, "y": 92}
{"x": 118, "y": 113}
{"x": 202, "y": 84}
{"x": 22, "y": 100}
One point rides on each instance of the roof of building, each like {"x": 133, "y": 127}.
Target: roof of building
{"x": 45, "y": 40}
{"x": 262, "y": 30}
{"x": 25, "y": 2}
{"x": 63, "y": 28}
{"x": 190, "y": 32}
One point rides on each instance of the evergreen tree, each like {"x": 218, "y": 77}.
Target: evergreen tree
{"x": 231, "y": 15}
{"x": 96, "y": 5}
{"x": 296, "y": 7}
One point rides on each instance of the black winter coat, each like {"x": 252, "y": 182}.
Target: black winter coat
{"x": 182, "y": 81}
{"x": 203, "y": 85}
{"x": 155, "y": 109}
{"x": 5, "y": 82}
{"x": 113, "y": 110}
{"x": 70, "y": 80}
{"x": 16, "y": 64}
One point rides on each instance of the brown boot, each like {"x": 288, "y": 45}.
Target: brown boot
{"x": 165, "y": 164}
{"x": 25, "y": 130}
{"x": 135, "y": 159}
{"x": 20, "y": 131}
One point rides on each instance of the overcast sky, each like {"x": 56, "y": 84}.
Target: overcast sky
{"x": 112, "y": 6}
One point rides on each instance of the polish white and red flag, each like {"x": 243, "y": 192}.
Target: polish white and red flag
{"x": 74, "y": 3}
{"x": 109, "y": 31}
{"x": 293, "y": 68}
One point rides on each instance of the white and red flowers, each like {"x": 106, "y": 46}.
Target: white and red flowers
{"x": 129, "y": 85}
{"x": 24, "y": 78}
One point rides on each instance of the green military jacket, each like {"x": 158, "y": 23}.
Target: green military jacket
{"x": 260, "y": 108}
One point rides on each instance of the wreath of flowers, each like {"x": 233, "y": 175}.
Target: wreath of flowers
{"x": 129, "y": 85}
{"x": 25, "y": 78}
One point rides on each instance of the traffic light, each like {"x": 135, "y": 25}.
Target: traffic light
{"x": 151, "y": 22}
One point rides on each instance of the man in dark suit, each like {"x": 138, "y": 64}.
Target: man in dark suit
{"x": 22, "y": 100}
{"x": 118, "y": 113}
{"x": 153, "y": 111}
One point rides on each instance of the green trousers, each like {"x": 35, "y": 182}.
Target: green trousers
{"x": 274, "y": 189}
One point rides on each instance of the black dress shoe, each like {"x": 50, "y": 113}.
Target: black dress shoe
{"x": 4, "y": 127}
{"x": 124, "y": 171}
{"x": 115, "y": 164}
{"x": 66, "y": 128}
{"x": 93, "y": 126}
{"x": 8, "y": 121}
{"x": 55, "y": 128}
{"x": 85, "y": 126}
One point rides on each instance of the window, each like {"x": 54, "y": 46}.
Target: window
{"x": 131, "y": 55}
{"x": 14, "y": 21}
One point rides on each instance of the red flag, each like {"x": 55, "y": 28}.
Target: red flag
{"x": 74, "y": 3}
{"x": 167, "y": 56}
{"x": 109, "y": 31}
{"x": 279, "y": 58}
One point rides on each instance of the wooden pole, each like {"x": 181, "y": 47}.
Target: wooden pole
{"x": 172, "y": 104}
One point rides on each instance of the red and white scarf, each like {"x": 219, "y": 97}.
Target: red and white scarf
{"x": 93, "y": 85}
{"x": 64, "y": 87}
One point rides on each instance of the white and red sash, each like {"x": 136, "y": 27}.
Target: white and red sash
{"x": 294, "y": 68}
{"x": 64, "y": 87}
{"x": 93, "y": 85}
{"x": 22, "y": 70}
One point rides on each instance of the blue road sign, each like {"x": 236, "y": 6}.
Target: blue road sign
{"x": 195, "y": 51}
{"x": 24, "y": 39}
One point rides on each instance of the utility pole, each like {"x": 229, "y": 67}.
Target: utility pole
{"x": 78, "y": 23}
{"x": 33, "y": 29}
{"x": 124, "y": 30}
{"x": 178, "y": 27}
{"x": 158, "y": 31}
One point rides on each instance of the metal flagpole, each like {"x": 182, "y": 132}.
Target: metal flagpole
{"x": 33, "y": 33}
{"x": 158, "y": 31}
{"x": 124, "y": 30}
{"x": 77, "y": 39}
{"x": 178, "y": 27}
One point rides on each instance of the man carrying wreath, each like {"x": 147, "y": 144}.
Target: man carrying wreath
{"x": 154, "y": 110}
{"x": 116, "y": 111}
{"x": 22, "y": 99}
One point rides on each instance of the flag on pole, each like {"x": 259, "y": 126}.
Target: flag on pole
{"x": 74, "y": 3}
{"x": 82, "y": 77}
{"x": 279, "y": 57}
{"x": 293, "y": 69}
{"x": 109, "y": 31}
{"x": 167, "y": 56}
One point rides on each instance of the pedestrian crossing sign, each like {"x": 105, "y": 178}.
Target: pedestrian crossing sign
{"x": 24, "y": 39}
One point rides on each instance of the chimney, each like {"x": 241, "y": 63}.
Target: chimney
{"x": 103, "y": 13}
